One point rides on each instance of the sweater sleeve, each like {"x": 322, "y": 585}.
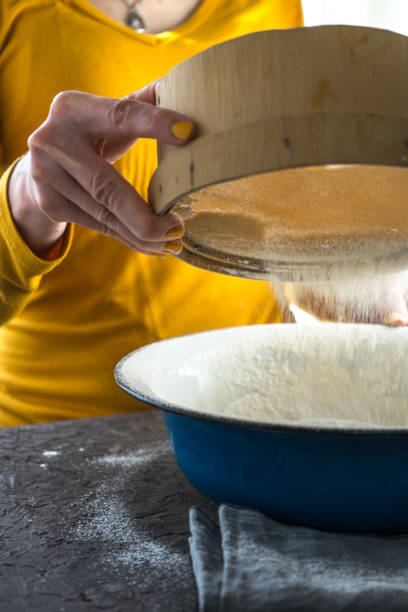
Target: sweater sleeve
{"x": 20, "y": 269}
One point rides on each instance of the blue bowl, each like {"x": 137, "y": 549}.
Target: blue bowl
{"x": 328, "y": 478}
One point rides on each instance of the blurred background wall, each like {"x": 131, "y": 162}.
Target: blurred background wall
{"x": 387, "y": 14}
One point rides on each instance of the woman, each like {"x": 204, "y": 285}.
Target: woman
{"x": 74, "y": 301}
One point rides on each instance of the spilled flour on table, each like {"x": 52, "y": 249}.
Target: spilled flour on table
{"x": 111, "y": 514}
{"x": 131, "y": 460}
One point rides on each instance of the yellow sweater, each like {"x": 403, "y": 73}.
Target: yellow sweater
{"x": 67, "y": 322}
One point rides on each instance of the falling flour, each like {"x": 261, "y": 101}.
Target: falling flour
{"x": 351, "y": 296}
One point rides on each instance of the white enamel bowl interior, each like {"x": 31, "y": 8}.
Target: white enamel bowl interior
{"x": 332, "y": 375}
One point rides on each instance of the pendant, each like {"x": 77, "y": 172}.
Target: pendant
{"x": 135, "y": 21}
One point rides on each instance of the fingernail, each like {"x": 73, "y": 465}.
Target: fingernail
{"x": 182, "y": 129}
{"x": 395, "y": 319}
{"x": 174, "y": 246}
{"x": 175, "y": 233}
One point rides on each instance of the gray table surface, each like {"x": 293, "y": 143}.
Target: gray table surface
{"x": 94, "y": 516}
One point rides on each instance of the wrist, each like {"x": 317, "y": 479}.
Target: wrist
{"x": 38, "y": 231}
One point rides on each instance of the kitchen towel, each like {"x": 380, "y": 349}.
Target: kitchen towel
{"x": 252, "y": 563}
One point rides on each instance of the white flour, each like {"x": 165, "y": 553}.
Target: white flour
{"x": 108, "y": 518}
{"x": 335, "y": 375}
{"x": 109, "y": 521}
{"x": 134, "y": 459}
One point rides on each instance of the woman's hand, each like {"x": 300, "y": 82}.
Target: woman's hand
{"x": 67, "y": 176}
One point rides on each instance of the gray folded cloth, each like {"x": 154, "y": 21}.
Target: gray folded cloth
{"x": 251, "y": 563}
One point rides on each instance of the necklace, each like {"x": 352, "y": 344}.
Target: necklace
{"x": 134, "y": 20}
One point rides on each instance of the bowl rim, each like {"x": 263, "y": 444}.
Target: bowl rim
{"x": 161, "y": 404}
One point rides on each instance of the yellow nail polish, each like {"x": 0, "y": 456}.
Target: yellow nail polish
{"x": 182, "y": 129}
{"x": 174, "y": 246}
{"x": 175, "y": 233}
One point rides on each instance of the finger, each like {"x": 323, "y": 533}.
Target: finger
{"x": 113, "y": 148}
{"x": 129, "y": 117}
{"x": 59, "y": 208}
{"x": 81, "y": 218}
{"x": 149, "y": 95}
{"x": 154, "y": 249}
{"x": 106, "y": 187}
{"x": 45, "y": 171}
{"x": 137, "y": 119}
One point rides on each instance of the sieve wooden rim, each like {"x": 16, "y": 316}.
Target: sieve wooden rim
{"x": 282, "y": 99}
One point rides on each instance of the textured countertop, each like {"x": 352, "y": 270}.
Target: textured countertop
{"x": 94, "y": 516}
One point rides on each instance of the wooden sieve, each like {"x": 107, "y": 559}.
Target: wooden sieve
{"x": 300, "y": 161}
